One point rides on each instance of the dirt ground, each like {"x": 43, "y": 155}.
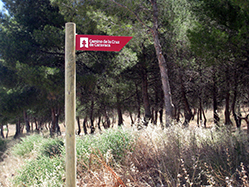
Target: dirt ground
{"x": 127, "y": 123}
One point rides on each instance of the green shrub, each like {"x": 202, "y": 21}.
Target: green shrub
{"x": 113, "y": 141}
{"x": 27, "y": 145}
{"x": 2, "y": 146}
{"x": 117, "y": 141}
{"x": 43, "y": 172}
{"x": 51, "y": 147}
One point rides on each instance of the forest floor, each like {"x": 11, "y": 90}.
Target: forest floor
{"x": 127, "y": 123}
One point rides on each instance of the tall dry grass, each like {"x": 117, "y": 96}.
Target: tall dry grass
{"x": 174, "y": 157}
{"x": 150, "y": 157}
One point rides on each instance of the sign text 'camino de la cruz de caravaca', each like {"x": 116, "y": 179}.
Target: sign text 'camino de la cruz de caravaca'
{"x": 101, "y": 42}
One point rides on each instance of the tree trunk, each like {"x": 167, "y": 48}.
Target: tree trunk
{"x": 26, "y": 121}
{"x": 92, "y": 116}
{"x": 84, "y": 125}
{"x": 36, "y": 125}
{"x": 132, "y": 121}
{"x": 200, "y": 114}
{"x": 236, "y": 116}
{"x": 18, "y": 129}
{"x": 156, "y": 109}
{"x": 163, "y": 67}
{"x": 99, "y": 120}
{"x": 21, "y": 128}
{"x": 107, "y": 123}
{"x": 227, "y": 98}
{"x": 205, "y": 119}
{"x": 155, "y": 117}
{"x": 227, "y": 111}
{"x": 246, "y": 120}
{"x": 79, "y": 128}
{"x": 138, "y": 104}
{"x": 55, "y": 128}
{"x": 32, "y": 127}
{"x": 145, "y": 94}
{"x": 1, "y": 130}
{"x": 187, "y": 111}
{"x": 161, "y": 116}
{"x": 7, "y": 133}
{"x": 215, "y": 103}
{"x": 120, "y": 117}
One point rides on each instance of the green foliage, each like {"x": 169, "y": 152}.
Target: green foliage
{"x": 27, "y": 145}
{"x": 39, "y": 146}
{"x": 51, "y": 147}
{"x": 117, "y": 141}
{"x": 32, "y": 54}
{"x": 43, "y": 172}
{"x": 47, "y": 169}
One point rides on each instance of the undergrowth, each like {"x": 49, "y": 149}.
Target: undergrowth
{"x": 2, "y": 147}
{"x": 172, "y": 157}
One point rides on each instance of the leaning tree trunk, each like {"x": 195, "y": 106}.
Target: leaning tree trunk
{"x": 163, "y": 67}
{"x": 132, "y": 120}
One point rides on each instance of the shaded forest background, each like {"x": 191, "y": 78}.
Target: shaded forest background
{"x": 185, "y": 57}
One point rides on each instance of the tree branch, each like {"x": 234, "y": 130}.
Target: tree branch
{"x": 135, "y": 14}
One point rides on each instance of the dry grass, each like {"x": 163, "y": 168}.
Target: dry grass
{"x": 10, "y": 165}
{"x": 171, "y": 157}
{"x": 174, "y": 157}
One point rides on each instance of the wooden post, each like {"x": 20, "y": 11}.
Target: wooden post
{"x": 70, "y": 104}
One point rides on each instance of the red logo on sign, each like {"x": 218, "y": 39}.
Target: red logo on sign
{"x": 101, "y": 43}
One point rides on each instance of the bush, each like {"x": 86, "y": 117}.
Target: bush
{"x": 43, "y": 172}
{"x": 113, "y": 141}
{"x": 2, "y": 144}
{"x": 2, "y": 147}
{"x": 27, "y": 145}
{"x": 46, "y": 167}
{"x": 51, "y": 147}
{"x": 38, "y": 145}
